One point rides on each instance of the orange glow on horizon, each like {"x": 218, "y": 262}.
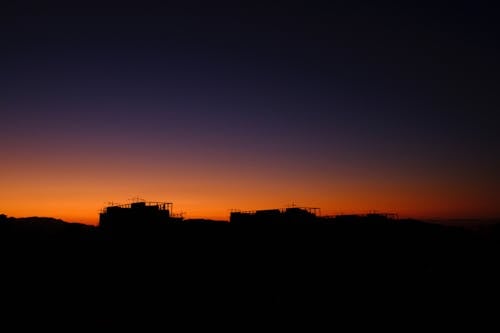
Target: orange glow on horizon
{"x": 77, "y": 187}
{"x": 81, "y": 202}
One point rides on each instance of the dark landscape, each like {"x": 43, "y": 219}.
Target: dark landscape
{"x": 203, "y": 273}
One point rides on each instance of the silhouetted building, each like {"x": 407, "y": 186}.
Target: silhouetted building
{"x": 305, "y": 215}
{"x": 137, "y": 215}
{"x": 275, "y": 216}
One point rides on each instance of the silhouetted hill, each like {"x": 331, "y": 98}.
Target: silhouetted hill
{"x": 35, "y": 227}
{"x": 203, "y": 221}
{"x": 338, "y": 270}
{"x": 487, "y": 228}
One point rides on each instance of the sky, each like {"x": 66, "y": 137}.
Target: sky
{"x": 348, "y": 106}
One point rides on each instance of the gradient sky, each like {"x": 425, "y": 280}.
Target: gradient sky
{"x": 345, "y": 106}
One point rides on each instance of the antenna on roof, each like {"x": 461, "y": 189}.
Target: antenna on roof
{"x": 136, "y": 199}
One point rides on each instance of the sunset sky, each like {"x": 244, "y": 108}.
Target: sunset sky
{"x": 349, "y": 107}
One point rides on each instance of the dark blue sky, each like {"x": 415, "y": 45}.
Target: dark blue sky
{"x": 316, "y": 86}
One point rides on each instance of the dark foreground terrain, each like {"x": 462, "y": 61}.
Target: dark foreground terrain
{"x": 390, "y": 274}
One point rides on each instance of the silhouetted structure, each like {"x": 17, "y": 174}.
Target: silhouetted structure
{"x": 137, "y": 215}
{"x": 304, "y": 215}
{"x": 275, "y": 216}
{"x": 370, "y": 217}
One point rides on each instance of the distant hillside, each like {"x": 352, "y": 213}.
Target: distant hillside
{"x": 42, "y": 227}
{"x": 204, "y": 221}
